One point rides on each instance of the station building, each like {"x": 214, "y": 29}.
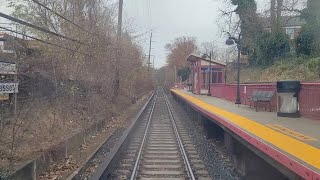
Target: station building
{"x": 200, "y": 73}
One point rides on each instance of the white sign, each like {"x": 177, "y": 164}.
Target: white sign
{"x": 8, "y": 88}
{"x": 7, "y": 68}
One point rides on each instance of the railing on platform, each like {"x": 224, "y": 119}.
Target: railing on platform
{"x": 309, "y": 100}
{"x": 309, "y": 97}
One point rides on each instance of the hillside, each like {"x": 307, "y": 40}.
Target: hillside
{"x": 287, "y": 69}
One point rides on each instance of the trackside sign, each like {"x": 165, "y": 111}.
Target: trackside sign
{"x": 8, "y": 88}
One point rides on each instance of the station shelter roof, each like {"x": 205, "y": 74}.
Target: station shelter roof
{"x": 195, "y": 57}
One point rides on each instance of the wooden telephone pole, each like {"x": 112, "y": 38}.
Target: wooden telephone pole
{"x": 118, "y": 53}
{"x": 150, "y": 46}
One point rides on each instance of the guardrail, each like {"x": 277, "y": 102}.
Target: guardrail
{"x": 309, "y": 98}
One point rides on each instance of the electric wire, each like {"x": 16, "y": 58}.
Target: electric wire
{"x": 46, "y": 42}
{"x": 11, "y": 18}
{"x": 61, "y": 16}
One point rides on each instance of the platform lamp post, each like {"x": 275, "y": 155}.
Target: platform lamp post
{"x": 209, "y": 79}
{"x": 230, "y": 41}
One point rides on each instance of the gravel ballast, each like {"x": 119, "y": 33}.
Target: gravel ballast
{"x": 211, "y": 152}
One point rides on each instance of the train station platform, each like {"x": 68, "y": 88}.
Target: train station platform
{"x": 293, "y": 142}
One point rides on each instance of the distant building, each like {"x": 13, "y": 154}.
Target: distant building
{"x": 7, "y": 43}
{"x": 291, "y": 25}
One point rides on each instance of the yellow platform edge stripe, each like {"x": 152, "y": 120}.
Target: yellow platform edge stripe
{"x": 290, "y": 132}
{"x": 294, "y": 147}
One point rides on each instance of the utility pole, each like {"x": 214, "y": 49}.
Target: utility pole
{"x": 175, "y": 74}
{"x": 150, "y": 46}
{"x": 118, "y": 53}
{"x": 120, "y": 20}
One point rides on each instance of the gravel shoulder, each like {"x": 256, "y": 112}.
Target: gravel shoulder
{"x": 211, "y": 151}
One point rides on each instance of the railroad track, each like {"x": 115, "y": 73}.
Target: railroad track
{"x": 160, "y": 148}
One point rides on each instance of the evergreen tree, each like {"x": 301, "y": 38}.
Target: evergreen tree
{"x": 251, "y": 27}
{"x": 308, "y": 43}
{"x": 249, "y": 22}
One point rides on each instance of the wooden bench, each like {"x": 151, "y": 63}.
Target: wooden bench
{"x": 261, "y": 96}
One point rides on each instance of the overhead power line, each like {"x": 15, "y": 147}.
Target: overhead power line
{"x": 37, "y": 27}
{"x": 46, "y": 42}
{"x": 141, "y": 34}
{"x": 61, "y": 16}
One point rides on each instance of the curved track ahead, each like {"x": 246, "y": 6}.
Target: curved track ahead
{"x": 160, "y": 149}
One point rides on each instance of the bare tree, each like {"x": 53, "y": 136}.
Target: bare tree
{"x": 207, "y": 47}
{"x": 179, "y": 50}
{"x": 70, "y": 89}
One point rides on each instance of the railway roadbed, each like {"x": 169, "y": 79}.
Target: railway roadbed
{"x": 159, "y": 149}
{"x": 157, "y": 145}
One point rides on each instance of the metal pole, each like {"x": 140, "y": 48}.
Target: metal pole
{"x": 238, "y": 100}
{"x": 150, "y": 52}
{"x": 209, "y": 83}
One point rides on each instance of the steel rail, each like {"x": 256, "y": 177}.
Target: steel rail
{"x": 136, "y": 165}
{"x": 184, "y": 154}
{"x": 106, "y": 167}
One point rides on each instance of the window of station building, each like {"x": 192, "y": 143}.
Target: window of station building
{"x": 217, "y": 76}
{"x": 204, "y": 77}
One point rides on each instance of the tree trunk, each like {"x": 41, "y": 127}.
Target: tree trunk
{"x": 279, "y": 14}
{"x": 273, "y": 16}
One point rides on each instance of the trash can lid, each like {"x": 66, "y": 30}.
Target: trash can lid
{"x": 288, "y": 86}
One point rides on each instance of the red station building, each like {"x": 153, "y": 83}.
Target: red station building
{"x": 200, "y": 73}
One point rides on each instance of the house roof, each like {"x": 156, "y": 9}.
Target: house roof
{"x": 194, "y": 57}
{"x": 287, "y": 21}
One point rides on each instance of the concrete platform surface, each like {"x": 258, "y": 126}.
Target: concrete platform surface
{"x": 296, "y": 138}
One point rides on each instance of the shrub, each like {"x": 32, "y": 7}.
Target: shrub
{"x": 184, "y": 73}
{"x": 271, "y": 47}
{"x": 304, "y": 43}
{"x": 314, "y": 65}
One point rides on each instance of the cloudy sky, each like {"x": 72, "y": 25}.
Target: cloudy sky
{"x": 170, "y": 19}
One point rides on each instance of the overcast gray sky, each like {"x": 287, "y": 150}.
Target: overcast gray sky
{"x": 170, "y": 19}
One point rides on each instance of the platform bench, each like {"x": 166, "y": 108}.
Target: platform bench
{"x": 261, "y": 96}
